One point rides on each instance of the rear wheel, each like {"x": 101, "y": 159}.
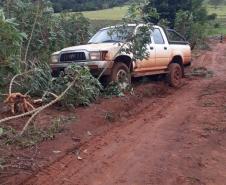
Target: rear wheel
{"x": 175, "y": 75}
{"x": 121, "y": 74}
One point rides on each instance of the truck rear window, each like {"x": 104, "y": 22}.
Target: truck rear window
{"x": 173, "y": 36}
{"x": 157, "y": 36}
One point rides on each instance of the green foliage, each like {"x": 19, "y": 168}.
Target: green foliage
{"x": 75, "y": 29}
{"x": 83, "y": 92}
{"x": 36, "y": 82}
{"x": 34, "y": 135}
{"x": 193, "y": 22}
{"x": 40, "y": 83}
{"x": 113, "y": 89}
{"x": 45, "y": 31}
{"x": 10, "y": 40}
{"x": 185, "y": 24}
{"x": 167, "y": 9}
{"x": 137, "y": 43}
{"x": 6, "y": 73}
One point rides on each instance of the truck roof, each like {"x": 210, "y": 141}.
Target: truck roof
{"x": 130, "y": 25}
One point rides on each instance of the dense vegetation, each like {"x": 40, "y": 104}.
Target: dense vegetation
{"x": 84, "y": 5}
{"x": 189, "y": 17}
{"x": 30, "y": 32}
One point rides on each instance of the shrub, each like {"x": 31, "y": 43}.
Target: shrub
{"x": 83, "y": 92}
{"x": 217, "y": 25}
{"x": 46, "y": 32}
{"x": 40, "y": 83}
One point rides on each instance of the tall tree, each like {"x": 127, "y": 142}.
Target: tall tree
{"x": 168, "y": 9}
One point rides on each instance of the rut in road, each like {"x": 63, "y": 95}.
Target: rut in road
{"x": 179, "y": 140}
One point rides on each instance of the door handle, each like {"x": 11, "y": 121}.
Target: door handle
{"x": 151, "y": 48}
{"x": 165, "y": 48}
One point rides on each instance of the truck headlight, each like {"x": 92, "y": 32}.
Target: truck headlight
{"x": 95, "y": 55}
{"x": 54, "y": 58}
{"x": 98, "y": 55}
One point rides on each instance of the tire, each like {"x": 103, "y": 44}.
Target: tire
{"x": 175, "y": 75}
{"x": 120, "y": 74}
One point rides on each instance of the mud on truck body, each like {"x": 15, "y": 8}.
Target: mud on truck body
{"x": 168, "y": 53}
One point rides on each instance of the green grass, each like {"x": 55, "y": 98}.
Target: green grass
{"x": 116, "y": 13}
{"x": 106, "y": 17}
{"x": 220, "y": 11}
{"x": 221, "y": 19}
{"x": 217, "y": 31}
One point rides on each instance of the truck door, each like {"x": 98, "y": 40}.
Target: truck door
{"x": 162, "y": 50}
{"x": 149, "y": 63}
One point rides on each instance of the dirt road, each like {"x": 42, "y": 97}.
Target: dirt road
{"x": 178, "y": 140}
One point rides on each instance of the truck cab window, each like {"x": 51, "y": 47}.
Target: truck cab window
{"x": 174, "y": 36}
{"x": 157, "y": 36}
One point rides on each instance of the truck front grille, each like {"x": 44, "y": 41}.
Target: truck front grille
{"x": 73, "y": 57}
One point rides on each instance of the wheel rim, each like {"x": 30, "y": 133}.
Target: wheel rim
{"x": 122, "y": 76}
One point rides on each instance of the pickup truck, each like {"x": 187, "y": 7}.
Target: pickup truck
{"x": 168, "y": 53}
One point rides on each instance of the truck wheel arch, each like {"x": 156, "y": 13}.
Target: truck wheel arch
{"x": 126, "y": 60}
{"x": 179, "y": 60}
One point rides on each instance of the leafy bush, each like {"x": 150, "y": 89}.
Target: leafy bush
{"x": 46, "y": 32}
{"x": 40, "y": 83}
{"x": 194, "y": 31}
{"x": 113, "y": 89}
{"x": 10, "y": 39}
{"x": 217, "y": 25}
{"x": 85, "y": 90}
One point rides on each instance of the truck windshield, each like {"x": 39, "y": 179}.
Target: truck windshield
{"x": 112, "y": 35}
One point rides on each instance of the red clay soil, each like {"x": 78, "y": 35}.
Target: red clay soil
{"x": 159, "y": 136}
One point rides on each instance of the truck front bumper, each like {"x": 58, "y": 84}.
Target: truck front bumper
{"x": 96, "y": 67}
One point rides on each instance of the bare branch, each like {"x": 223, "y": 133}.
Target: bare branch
{"x": 35, "y": 112}
{"x": 16, "y": 76}
{"x": 40, "y": 109}
{"x": 32, "y": 31}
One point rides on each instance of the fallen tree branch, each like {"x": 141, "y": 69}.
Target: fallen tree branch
{"x": 40, "y": 109}
{"x": 16, "y": 76}
{"x": 18, "y": 116}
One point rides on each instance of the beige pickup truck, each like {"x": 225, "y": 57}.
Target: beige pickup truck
{"x": 168, "y": 53}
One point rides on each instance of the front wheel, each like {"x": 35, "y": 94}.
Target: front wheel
{"x": 175, "y": 75}
{"x": 121, "y": 75}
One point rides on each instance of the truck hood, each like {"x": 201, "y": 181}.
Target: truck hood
{"x": 93, "y": 47}
{"x": 112, "y": 49}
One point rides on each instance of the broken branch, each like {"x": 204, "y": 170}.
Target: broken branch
{"x": 16, "y": 76}
{"x": 40, "y": 109}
